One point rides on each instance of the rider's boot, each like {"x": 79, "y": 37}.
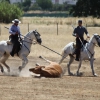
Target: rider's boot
{"x": 77, "y": 55}
{"x": 13, "y": 51}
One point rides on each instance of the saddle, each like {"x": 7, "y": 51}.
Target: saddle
{"x": 9, "y": 42}
{"x": 84, "y": 43}
{"x": 76, "y": 51}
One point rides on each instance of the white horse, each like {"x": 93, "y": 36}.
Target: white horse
{"x": 86, "y": 52}
{"x": 5, "y": 49}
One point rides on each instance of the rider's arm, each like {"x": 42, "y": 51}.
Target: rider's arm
{"x": 74, "y": 32}
{"x": 19, "y": 33}
{"x": 86, "y": 32}
{"x": 11, "y": 30}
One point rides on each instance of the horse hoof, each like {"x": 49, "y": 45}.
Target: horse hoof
{"x": 71, "y": 74}
{"x": 20, "y": 68}
{"x": 95, "y": 75}
{"x": 9, "y": 70}
{"x": 79, "y": 74}
{"x": 2, "y": 70}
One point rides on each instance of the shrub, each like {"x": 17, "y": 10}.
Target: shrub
{"x": 9, "y": 12}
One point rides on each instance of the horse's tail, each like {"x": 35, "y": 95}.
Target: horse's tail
{"x": 63, "y": 71}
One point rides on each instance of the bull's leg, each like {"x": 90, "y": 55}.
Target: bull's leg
{"x": 92, "y": 67}
{"x": 24, "y": 63}
{"x": 68, "y": 65}
{"x": 5, "y": 57}
{"x": 45, "y": 59}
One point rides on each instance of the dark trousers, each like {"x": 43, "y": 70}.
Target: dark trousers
{"x": 78, "y": 46}
{"x": 14, "y": 40}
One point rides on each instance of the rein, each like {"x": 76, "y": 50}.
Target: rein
{"x": 95, "y": 44}
{"x": 90, "y": 51}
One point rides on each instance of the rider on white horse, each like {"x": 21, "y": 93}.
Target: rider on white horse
{"x": 79, "y": 34}
{"x": 15, "y": 32}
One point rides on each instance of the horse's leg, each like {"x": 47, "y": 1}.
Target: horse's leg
{"x": 80, "y": 62}
{"x": 63, "y": 57}
{"x": 92, "y": 67}
{"x": 68, "y": 65}
{"x": 1, "y": 54}
{"x": 5, "y": 57}
{"x": 24, "y": 62}
{"x": 2, "y": 70}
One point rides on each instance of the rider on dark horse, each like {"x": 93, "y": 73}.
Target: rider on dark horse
{"x": 15, "y": 34}
{"x": 79, "y": 34}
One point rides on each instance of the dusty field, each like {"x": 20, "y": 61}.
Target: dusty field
{"x": 24, "y": 86}
{"x": 27, "y": 87}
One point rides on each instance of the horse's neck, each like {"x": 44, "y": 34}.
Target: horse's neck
{"x": 27, "y": 42}
{"x": 90, "y": 46}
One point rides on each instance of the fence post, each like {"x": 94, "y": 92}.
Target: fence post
{"x": 0, "y": 29}
{"x": 57, "y": 28}
{"x": 86, "y": 26}
{"x": 28, "y": 27}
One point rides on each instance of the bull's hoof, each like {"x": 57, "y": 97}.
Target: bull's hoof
{"x": 37, "y": 64}
{"x": 20, "y": 68}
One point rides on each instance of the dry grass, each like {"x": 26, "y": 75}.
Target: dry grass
{"x": 49, "y": 36}
{"x": 89, "y": 21}
{"x": 65, "y": 88}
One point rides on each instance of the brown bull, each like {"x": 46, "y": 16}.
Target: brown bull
{"x": 51, "y": 70}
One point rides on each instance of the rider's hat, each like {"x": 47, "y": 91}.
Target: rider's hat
{"x": 16, "y": 21}
{"x": 79, "y": 21}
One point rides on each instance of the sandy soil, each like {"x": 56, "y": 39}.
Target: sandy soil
{"x": 24, "y": 86}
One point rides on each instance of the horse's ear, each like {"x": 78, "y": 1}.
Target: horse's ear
{"x": 35, "y": 30}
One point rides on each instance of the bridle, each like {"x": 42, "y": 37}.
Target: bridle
{"x": 30, "y": 39}
{"x": 93, "y": 44}
{"x": 96, "y": 40}
{"x": 34, "y": 32}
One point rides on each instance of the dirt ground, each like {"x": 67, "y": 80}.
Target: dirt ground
{"x": 24, "y": 86}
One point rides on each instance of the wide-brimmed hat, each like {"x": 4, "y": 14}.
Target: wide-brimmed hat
{"x": 16, "y": 21}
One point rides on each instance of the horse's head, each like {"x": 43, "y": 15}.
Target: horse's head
{"x": 36, "y": 36}
{"x": 97, "y": 39}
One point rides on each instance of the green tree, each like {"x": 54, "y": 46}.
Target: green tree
{"x": 9, "y": 12}
{"x": 86, "y": 8}
{"x": 24, "y": 5}
{"x": 35, "y": 6}
{"x": 45, "y": 4}
{"x": 5, "y": 1}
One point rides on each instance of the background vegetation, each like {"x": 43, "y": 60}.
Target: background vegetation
{"x": 83, "y": 8}
{"x": 86, "y": 8}
{"x": 42, "y": 5}
{"x": 9, "y": 12}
